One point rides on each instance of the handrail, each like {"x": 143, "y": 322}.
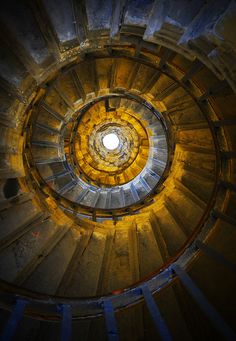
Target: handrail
{"x": 106, "y": 305}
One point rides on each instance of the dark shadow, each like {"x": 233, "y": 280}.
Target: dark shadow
{"x": 11, "y": 188}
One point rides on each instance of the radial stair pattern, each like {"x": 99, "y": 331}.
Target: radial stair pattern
{"x": 135, "y": 241}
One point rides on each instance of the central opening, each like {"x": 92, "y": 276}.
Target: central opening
{"x": 111, "y": 141}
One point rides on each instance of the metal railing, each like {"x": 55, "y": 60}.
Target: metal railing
{"x": 108, "y": 305}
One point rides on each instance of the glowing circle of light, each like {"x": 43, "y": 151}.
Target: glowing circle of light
{"x": 111, "y": 141}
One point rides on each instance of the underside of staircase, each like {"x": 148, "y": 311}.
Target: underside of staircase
{"x": 135, "y": 243}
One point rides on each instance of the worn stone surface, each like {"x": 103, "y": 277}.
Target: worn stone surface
{"x": 113, "y": 47}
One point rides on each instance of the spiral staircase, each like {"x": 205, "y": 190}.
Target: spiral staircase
{"x": 136, "y": 242}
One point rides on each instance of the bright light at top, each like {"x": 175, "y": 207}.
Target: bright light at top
{"x": 111, "y": 141}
